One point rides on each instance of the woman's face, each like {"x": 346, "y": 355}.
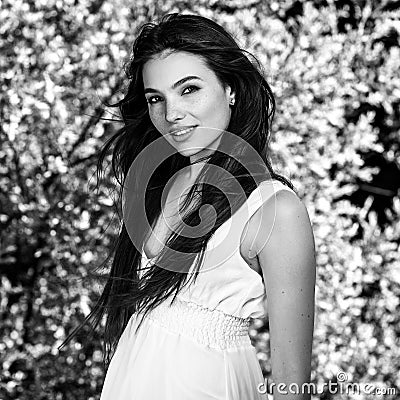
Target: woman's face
{"x": 182, "y": 92}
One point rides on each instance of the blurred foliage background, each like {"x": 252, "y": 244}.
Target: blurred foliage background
{"x": 334, "y": 68}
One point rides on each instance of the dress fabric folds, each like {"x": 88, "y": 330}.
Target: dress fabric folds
{"x": 198, "y": 347}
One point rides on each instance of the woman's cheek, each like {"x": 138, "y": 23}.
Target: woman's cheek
{"x": 155, "y": 117}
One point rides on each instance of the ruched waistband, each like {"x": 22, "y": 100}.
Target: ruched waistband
{"x": 211, "y": 328}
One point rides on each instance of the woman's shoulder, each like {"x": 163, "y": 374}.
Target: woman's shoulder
{"x": 278, "y": 200}
{"x": 275, "y": 204}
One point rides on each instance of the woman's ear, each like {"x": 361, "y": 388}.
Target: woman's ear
{"x": 231, "y": 95}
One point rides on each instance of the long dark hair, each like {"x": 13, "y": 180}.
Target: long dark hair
{"x": 126, "y": 292}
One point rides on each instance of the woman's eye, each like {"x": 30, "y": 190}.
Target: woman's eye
{"x": 153, "y": 99}
{"x": 150, "y": 100}
{"x": 192, "y": 87}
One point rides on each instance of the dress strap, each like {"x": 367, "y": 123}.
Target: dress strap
{"x": 228, "y": 236}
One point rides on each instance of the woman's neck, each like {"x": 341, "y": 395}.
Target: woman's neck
{"x": 191, "y": 172}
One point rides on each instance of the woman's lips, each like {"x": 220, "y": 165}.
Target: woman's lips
{"x": 184, "y": 136}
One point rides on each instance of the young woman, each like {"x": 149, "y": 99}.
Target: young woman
{"x": 183, "y": 288}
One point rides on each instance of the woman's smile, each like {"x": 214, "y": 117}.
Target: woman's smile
{"x": 183, "y": 135}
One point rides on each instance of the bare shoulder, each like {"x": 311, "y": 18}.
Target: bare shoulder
{"x": 286, "y": 206}
{"x": 282, "y": 221}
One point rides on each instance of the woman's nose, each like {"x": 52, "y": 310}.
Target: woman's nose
{"x": 172, "y": 112}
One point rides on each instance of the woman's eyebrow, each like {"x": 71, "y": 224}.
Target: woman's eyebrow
{"x": 176, "y": 84}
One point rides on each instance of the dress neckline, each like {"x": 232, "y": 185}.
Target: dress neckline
{"x": 263, "y": 182}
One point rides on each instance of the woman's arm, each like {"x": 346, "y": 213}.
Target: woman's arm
{"x": 286, "y": 253}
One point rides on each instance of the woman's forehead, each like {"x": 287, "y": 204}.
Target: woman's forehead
{"x": 166, "y": 71}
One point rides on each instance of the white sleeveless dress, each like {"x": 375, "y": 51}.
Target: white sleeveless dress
{"x": 198, "y": 348}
